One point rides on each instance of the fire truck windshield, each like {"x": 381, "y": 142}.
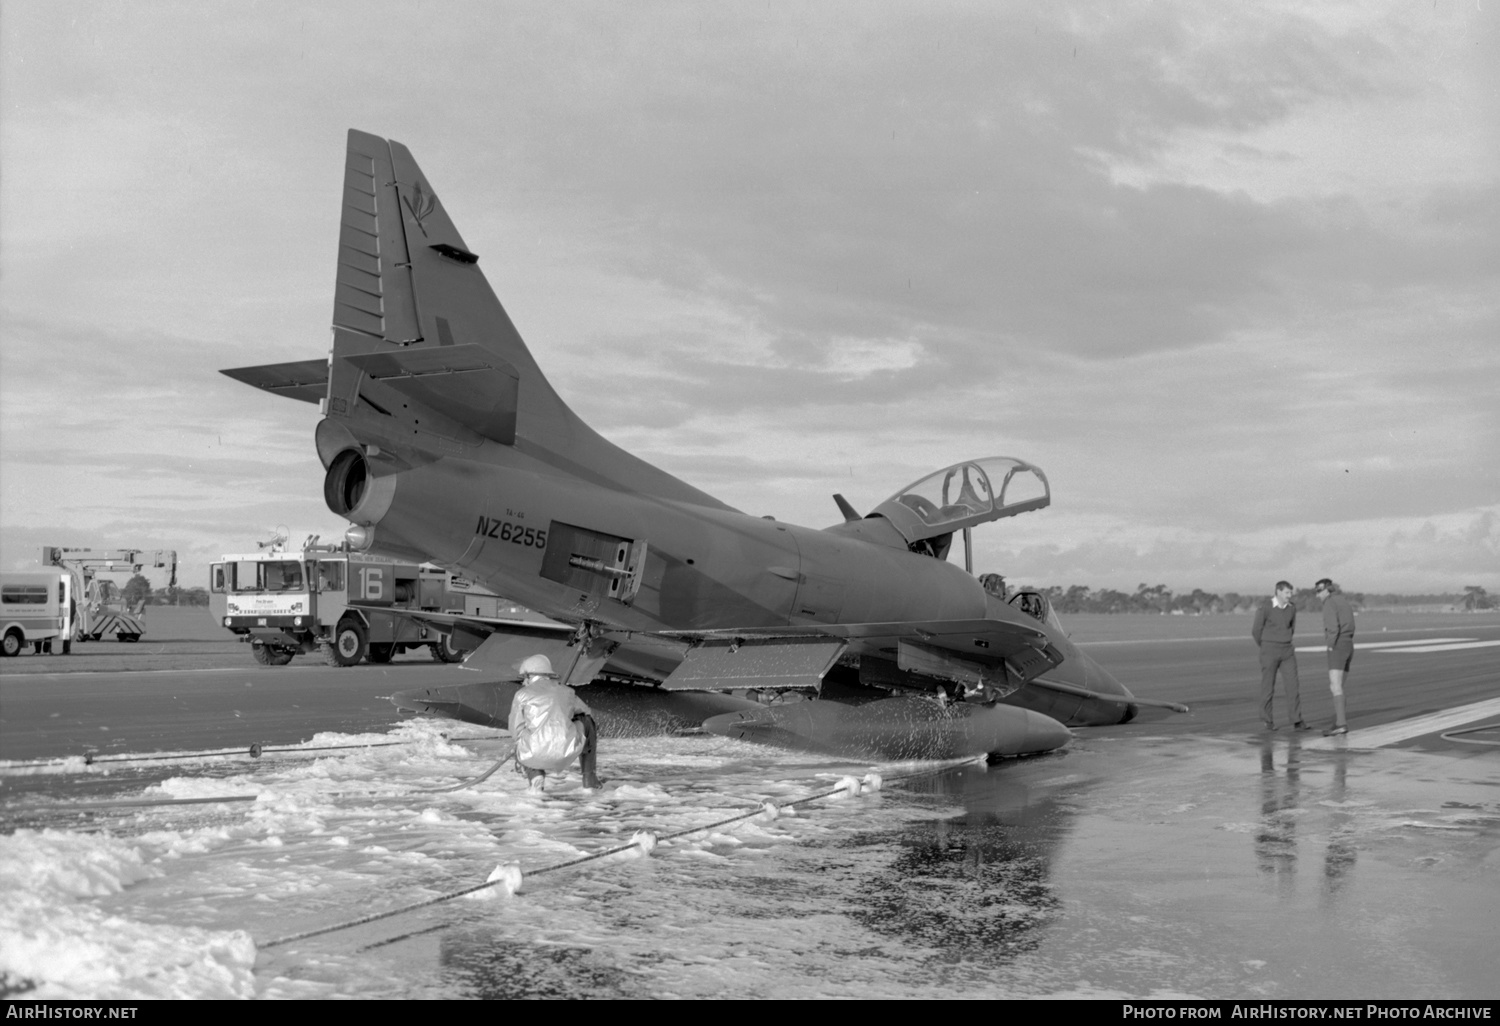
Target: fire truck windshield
{"x": 278, "y": 575}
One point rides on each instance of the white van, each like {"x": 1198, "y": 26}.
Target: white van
{"x": 37, "y": 608}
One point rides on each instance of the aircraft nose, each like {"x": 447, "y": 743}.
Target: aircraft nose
{"x": 1100, "y": 681}
{"x": 1097, "y": 678}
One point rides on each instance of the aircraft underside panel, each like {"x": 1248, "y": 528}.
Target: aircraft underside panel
{"x": 931, "y": 661}
{"x": 781, "y": 663}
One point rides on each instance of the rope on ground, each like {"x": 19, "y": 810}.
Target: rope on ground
{"x": 509, "y": 876}
{"x": 470, "y": 783}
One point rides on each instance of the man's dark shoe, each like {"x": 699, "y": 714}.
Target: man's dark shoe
{"x": 1300, "y": 725}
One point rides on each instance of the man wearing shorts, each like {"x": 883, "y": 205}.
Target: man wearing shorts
{"x": 1338, "y": 633}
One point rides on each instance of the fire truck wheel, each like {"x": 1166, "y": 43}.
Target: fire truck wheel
{"x": 268, "y": 656}
{"x": 444, "y": 651}
{"x": 349, "y": 643}
{"x": 10, "y": 645}
{"x": 382, "y": 651}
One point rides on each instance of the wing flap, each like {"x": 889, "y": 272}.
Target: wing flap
{"x": 764, "y": 663}
{"x": 304, "y": 380}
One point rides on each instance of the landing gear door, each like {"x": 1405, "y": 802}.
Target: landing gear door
{"x": 633, "y": 562}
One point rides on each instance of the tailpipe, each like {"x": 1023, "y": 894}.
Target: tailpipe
{"x": 353, "y": 492}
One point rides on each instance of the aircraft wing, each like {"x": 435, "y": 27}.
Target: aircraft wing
{"x": 996, "y": 653}
{"x": 981, "y": 637}
{"x": 466, "y": 623}
{"x": 306, "y": 380}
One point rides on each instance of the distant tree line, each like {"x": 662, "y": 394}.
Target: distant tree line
{"x": 1158, "y": 598}
{"x": 138, "y": 591}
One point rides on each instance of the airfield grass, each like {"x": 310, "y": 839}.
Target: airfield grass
{"x": 1103, "y": 628}
{"x": 189, "y": 638}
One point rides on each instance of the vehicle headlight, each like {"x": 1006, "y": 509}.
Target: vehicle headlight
{"x": 226, "y": 621}
{"x": 297, "y": 621}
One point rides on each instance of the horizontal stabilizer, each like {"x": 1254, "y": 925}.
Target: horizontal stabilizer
{"x": 464, "y": 382}
{"x": 784, "y": 663}
{"x": 306, "y": 380}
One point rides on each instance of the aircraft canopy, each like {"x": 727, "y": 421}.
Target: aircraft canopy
{"x": 964, "y": 495}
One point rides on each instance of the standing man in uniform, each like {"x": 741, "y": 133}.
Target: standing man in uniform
{"x": 1275, "y": 622}
{"x": 1338, "y": 632}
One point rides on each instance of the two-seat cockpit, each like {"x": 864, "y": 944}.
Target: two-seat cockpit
{"x": 958, "y": 498}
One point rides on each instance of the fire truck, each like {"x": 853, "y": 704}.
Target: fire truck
{"x": 343, "y": 605}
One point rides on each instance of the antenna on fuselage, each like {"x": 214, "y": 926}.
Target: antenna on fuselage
{"x": 845, "y": 508}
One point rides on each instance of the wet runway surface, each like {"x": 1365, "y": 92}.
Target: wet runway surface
{"x": 1175, "y": 856}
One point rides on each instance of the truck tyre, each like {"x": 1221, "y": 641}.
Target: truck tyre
{"x": 445, "y": 651}
{"x": 349, "y": 644}
{"x": 382, "y": 651}
{"x": 266, "y": 655}
{"x": 11, "y": 644}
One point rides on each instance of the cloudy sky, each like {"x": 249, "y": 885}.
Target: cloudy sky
{"x": 1229, "y": 273}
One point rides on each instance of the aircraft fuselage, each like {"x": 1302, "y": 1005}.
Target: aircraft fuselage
{"x": 648, "y": 564}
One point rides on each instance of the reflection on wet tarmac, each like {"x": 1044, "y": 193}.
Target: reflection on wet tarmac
{"x": 973, "y": 886}
{"x": 1339, "y": 853}
{"x": 1283, "y": 803}
{"x": 1280, "y": 803}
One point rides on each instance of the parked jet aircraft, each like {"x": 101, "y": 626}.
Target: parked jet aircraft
{"x": 443, "y": 442}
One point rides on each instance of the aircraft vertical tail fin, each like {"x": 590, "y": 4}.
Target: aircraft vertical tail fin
{"x": 414, "y": 314}
{"x": 373, "y": 294}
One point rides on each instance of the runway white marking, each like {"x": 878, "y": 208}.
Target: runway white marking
{"x": 1404, "y": 730}
{"x": 1447, "y": 648}
{"x": 1389, "y": 644}
{"x": 1241, "y": 637}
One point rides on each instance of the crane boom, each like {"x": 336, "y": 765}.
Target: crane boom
{"x": 94, "y": 561}
{"x": 104, "y": 609}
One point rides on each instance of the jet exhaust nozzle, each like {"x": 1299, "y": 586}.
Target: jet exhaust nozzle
{"x": 354, "y": 493}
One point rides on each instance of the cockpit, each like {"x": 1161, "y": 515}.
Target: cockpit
{"x": 957, "y": 498}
